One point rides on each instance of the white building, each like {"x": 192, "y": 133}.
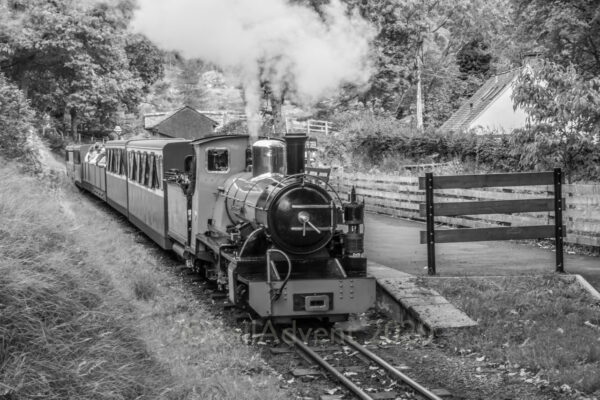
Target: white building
{"x": 490, "y": 109}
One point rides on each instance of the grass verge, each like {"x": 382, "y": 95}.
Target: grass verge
{"x": 61, "y": 336}
{"x": 87, "y": 311}
{"x": 546, "y": 325}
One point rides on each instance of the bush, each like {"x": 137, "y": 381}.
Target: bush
{"x": 16, "y": 120}
{"x": 367, "y": 140}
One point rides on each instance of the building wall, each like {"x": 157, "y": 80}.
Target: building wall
{"x": 187, "y": 124}
{"x": 500, "y": 116}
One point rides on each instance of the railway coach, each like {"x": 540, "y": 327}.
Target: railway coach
{"x": 74, "y": 156}
{"x": 135, "y": 174}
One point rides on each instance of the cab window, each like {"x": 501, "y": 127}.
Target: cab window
{"x": 217, "y": 160}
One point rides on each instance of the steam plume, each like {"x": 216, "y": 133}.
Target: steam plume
{"x": 297, "y": 50}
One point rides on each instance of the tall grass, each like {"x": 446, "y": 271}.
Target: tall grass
{"x": 86, "y": 311}
{"x": 61, "y": 336}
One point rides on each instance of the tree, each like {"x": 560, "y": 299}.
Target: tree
{"x": 564, "y": 110}
{"x": 16, "y": 120}
{"x": 188, "y": 82}
{"x": 416, "y": 51}
{"x": 70, "y": 59}
{"x": 474, "y": 58}
{"x": 564, "y": 31}
{"x": 145, "y": 60}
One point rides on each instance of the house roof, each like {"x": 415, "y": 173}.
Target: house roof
{"x": 480, "y": 101}
{"x": 152, "y": 120}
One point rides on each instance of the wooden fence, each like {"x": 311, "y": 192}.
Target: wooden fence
{"x": 399, "y": 196}
{"x": 430, "y": 208}
{"x": 310, "y": 126}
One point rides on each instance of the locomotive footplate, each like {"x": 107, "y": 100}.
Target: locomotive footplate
{"x": 306, "y": 297}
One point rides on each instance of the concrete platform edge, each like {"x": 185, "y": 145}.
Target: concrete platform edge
{"x": 404, "y": 310}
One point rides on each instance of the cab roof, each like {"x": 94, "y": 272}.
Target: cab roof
{"x": 213, "y": 138}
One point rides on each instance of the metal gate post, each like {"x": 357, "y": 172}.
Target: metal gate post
{"x": 558, "y": 220}
{"x": 430, "y": 223}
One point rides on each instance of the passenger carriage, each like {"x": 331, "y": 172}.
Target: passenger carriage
{"x": 94, "y": 171}
{"x": 116, "y": 175}
{"x": 148, "y": 162}
{"x": 74, "y": 156}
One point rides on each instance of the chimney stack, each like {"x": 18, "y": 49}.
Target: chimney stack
{"x": 296, "y": 145}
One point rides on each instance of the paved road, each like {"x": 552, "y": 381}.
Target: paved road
{"x": 395, "y": 243}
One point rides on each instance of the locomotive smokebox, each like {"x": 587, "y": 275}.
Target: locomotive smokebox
{"x": 268, "y": 156}
{"x": 296, "y": 144}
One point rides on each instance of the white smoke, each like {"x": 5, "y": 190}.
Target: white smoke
{"x": 291, "y": 46}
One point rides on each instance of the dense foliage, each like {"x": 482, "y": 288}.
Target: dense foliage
{"x": 564, "y": 109}
{"x": 370, "y": 141}
{"x": 76, "y": 61}
{"x": 16, "y": 120}
{"x": 564, "y": 31}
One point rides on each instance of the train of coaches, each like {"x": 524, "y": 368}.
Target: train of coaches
{"x": 244, "y": 213}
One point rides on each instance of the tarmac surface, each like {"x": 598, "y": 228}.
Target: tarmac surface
{"x": 395, "y": 243}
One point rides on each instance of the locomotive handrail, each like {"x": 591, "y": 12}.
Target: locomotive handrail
{"x": 254, "y": 232}
{"x": 244, "y": 203}
{"x": 277, "y": 295}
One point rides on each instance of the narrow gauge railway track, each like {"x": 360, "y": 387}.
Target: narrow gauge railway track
{"x": 376, "y": 364}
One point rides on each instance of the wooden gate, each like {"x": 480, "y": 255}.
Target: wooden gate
{"x": 430, "y": 210}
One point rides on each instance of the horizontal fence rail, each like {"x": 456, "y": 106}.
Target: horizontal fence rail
{"x": 310, "y": 126}
{"x": 400, "y": 196}
{"x": 430, "y": 237}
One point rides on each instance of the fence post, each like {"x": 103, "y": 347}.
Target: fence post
{"x": 558, "y": 220}
{"x": 430, "y": 223}
{"x": 326, "y": 128}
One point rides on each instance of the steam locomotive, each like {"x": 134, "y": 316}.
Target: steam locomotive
{"x": 246, "y": 215}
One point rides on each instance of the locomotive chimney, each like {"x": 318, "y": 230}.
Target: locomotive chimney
{"x": 296, "y": 144}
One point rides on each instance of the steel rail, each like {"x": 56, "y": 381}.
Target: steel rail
{"x": 423, "y": 391}
{"x": 325, "y": 365}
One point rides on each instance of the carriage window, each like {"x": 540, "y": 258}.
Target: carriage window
{"x": 138, "y": 164}
{"x": 144, "y": 175}
{"x": 122, "y": 169}
{"x": 151, "y": 166}
{"x": 159, "y": 171}
{"x": 217, "y": 160}
{"x": 77, "y": 157}
{"x": 133, "y": 171}
{"x": 109, "y": 160}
